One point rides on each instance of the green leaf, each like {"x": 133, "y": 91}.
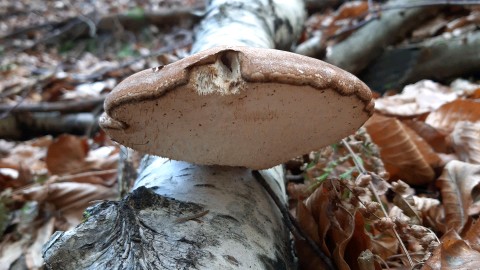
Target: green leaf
{"x": 136, "y": 13}
{"x": 348, "y": 174}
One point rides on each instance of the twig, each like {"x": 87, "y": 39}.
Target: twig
{"x": 377, "y": 198}
{"x": 375, "y": 11}
{"x": 40, "y": 82}
{"x": 70, "y": 24}
{"x": 67, "y": 178}
{"x": 163, "y": 50}
{"x": 62, "y": 106}
{"x": 291, "y": 222}
{"x": 418, "y": 4}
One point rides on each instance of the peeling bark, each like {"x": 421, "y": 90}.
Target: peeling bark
{"x": 255, "y": 23}
{"x": 185, "y": 216}
{"x": 206, "y": 218}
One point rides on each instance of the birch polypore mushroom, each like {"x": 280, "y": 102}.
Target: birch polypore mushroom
{"x": 237, "y": 106}
{"x": 227, "y": 105}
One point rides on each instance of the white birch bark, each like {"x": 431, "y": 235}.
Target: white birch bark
{"x": 185, "y": 216}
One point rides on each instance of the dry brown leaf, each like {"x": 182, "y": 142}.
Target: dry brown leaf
{"x": 465, "y": 140}
{"x": 25, "y": 155}
{"x": 297, "y": 191}
{"x": 453, "y": 253}
{"x": 427, "y": 152}
{"x": 67, "y": 155}
{"x": 343, "y": 224}
{"x": 33, "y": 255}
{"x": 69, "y": 198}
{"x": 400, "y": 152}
{"x": 423, "y": 204}
{"x": 385, "y": 245}
{"x": 12, "y": 178}
{"x": 318, "y": 204}
{"x": 473, "y": 236}
{"x": 351, "y": 9}
{"x": 475, "y": 94}
{"x": 446, "y": 117}
{"x": 429, "y": 28}
{"x": 421, "y": 97}
{"x": 359, "y": 242}
{"x": 457, "y": 183}
{"x": 307, "y": 258}
{"x": 405, "y": 203}
{"x": 432, "y": 136}
{"x": 11, "y": 251}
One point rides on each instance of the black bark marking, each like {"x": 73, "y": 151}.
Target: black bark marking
{"x": 231, "y": 260}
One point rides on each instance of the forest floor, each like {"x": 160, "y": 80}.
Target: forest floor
{"x": 404, "y": 192}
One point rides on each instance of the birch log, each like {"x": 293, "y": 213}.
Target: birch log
{"x": 439, "y": 58}
{"x": 185, "y": 216}
{"x": 364, "y": 45}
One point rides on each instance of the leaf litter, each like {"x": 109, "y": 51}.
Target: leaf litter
{"x": 423, "y": 167}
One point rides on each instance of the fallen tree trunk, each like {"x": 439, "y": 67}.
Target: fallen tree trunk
{"x": 364, "y": 45}
{"x": 24, "y": 126}
{"x": 185, "y": 216}
{"x": 439, "y": 59}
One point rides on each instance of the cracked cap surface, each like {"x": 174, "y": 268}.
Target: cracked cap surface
{"x": 237, "y": 106}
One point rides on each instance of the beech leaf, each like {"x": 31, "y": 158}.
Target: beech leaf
{"x": 453, "y": 253}
{"x": 456, "y": 185}
{"x": 446, "y": 117}
{"x": 307, "y": 258}
{"x": 67, "y": 155}
{"x": 465, "y": 139}
{"x": 405, "y": 154}
{"x": 415, "y": 99}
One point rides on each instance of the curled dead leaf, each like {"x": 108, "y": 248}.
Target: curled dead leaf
{"x": 465, "y": 140}
{"x": 319, "y": 206}
{"x": 25, "y": 155}
{"x": 307, "y": 258}
{"x": 343, "y": 225}
{"x": 453, "y": 253}
{"x": 69, "y": 198}
{"x": 351, "y": 9}
{"x": 432, "y": 136}
{"x": 457, "y": 183}
{"x": 473, "y": 236}
{"x": 67, "y": 155}
{"x": 421, "y": 97}
{"x": 405, "y": 154}
{"x": 447, "y": 116}
{"x": 385, "y": 245}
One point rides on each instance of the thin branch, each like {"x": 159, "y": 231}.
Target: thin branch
{"x": 377, "y": 198}
{"x": 62, "y": 106}
{"x": 375, "y": 11}
{"x": 71, "y": 177}
{"x": 418, "y": 4}
{"x": 163, "y": 50}
{"x": 291, "y": 222}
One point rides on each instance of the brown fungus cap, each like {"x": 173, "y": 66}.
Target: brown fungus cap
{"x": 237, "y": 106}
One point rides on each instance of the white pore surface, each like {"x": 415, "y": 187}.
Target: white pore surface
{"x": 257, "y": 127}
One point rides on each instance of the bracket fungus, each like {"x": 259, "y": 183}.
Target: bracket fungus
{"x": 237, "y": 106}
